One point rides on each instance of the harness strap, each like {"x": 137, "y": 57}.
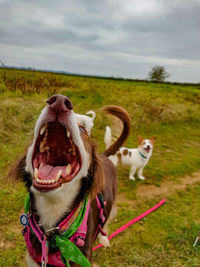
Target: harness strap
{"x": 101, "y": 204}
{"x": 42, "y": 239}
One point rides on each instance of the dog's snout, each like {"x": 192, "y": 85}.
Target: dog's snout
{"x": 148, "y": 146}
{"x": 68, "y": 103}
{"x": 59, "y": 103}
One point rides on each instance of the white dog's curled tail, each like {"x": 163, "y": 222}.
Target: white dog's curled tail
{"x": 91, "y": 112}
{"x": 108, "y": 137}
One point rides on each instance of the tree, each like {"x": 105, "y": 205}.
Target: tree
{"x": 158, "y": 74}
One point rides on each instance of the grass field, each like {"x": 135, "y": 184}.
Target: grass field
{"x": 170, "y": 112}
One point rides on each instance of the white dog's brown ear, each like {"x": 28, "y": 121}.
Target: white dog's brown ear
{"x": 153, "y": 139}
{"x": 140, "y": 139}
{"x": 97, "y": 173}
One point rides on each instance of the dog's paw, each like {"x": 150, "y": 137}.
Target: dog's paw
{"x": 132, "y": 178}
{"x": 104, "y": 241}
{"x": 141, "y": 177}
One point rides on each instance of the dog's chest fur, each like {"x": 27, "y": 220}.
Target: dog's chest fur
{"x": 51, "y": 208}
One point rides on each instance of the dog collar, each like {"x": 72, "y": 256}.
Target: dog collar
{"x": 142, "y": 155}
{"x": 67, "y": 232}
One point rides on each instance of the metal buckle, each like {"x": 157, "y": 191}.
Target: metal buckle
{"x": 48, "y": 232}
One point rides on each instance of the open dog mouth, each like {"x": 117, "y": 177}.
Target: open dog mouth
{"x": 56, "y": 159}
{"x": 148, "y": 149}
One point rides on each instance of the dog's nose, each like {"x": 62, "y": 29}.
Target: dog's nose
{"x": 59, "y": 103}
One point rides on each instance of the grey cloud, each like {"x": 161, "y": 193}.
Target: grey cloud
{"x": 103, "y": 37}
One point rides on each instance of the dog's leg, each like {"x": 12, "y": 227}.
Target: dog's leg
{"x": 132, "y": 173}
{"x": 140, "y": 176}
{"x": 102, "y": 238}
{"x": 30, "y": 261}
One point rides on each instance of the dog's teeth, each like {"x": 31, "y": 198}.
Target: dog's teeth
{"x": 38, "y": 180}
{"x": 58, "y": 175}
{"x": 46, "y": 133}
{"x": 41, "y": 164}
{"x": 43, "y": 129}
{"x": 68, "y": 133}
{"x": 68, "y": 169}
{"x": 36, "y": 173}
{"x": 42, "y": 144}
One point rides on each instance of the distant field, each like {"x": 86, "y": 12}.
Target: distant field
{"x": 170, "y": 112}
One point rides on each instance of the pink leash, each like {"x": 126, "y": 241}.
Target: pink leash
{"x": 138, "y": 218}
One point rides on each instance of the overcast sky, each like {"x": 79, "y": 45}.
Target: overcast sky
{"x": 105, "y": 37}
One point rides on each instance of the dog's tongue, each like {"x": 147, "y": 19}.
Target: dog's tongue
{"x": 48, "y": 172}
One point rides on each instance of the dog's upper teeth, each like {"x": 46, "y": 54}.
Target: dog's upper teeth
{"x": 68, "y": 169}
{"x": 42, "y": 144}
{"x": 46, "y": 132}
{"x": 43, "y": 129}
{"x": 68, "y": 133}
{"x": 58, "y": 175}
{"x": 36, "y": 173}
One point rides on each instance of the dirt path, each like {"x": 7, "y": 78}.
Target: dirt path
{"x": 166, "y": 189}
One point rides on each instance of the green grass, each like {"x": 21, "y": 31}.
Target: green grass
{"x": 164, "y": 238}
{"x": 169, "y": 112}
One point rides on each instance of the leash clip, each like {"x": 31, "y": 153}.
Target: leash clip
{"x": 43, "y": 264}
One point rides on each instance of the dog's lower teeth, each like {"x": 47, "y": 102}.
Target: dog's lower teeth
{"x": 41, "y": 164}
{"x": 68, "y": 169}
{"x": 58, "y": 175}
{"x": 36, "y": 173}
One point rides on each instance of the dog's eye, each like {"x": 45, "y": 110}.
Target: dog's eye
{"x": 82, "y": 129}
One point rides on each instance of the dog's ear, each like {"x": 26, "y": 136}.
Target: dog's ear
{"x": 140, "y": 139}
{"x": 97, "y": 174}
{"x": 17, "y": 171}
{"x": 19, "y": 174}
{"x": 153, "y": 139}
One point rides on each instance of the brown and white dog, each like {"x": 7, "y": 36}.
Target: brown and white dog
{"x": 136, "y": 158}
{"x": 85, "y": 120}
{"x": 56, "y": 166}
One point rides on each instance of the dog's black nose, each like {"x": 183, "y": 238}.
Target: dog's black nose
{"x": 59, "y": 103}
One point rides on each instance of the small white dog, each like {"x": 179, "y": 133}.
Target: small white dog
{"x": 86, "y": 121}
{"x": 137, "y": 158}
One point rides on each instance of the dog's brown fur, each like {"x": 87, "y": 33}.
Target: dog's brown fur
{"x": 103, "y": 179}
